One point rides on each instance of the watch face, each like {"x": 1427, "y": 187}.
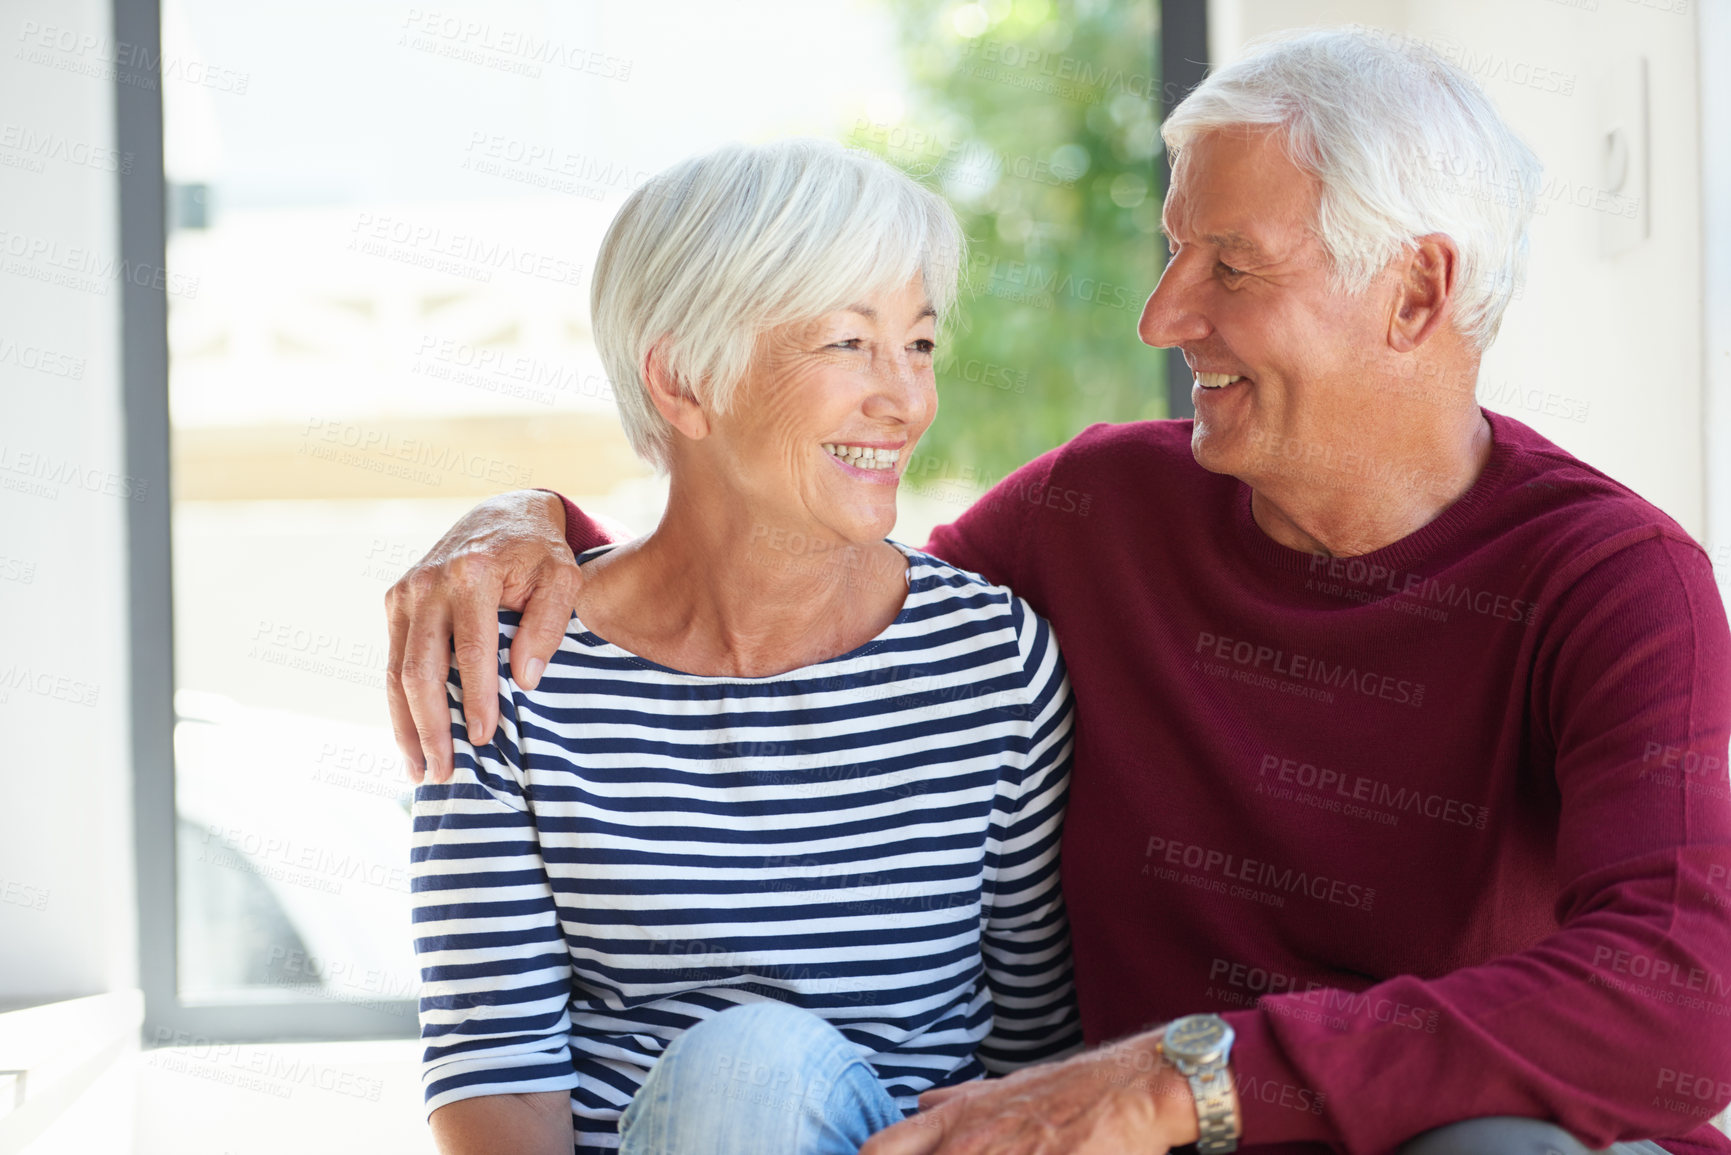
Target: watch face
{"x": 1195, "y": 1037}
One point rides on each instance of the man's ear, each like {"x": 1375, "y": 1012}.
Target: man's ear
{"x": 671, "y": 398}
{"x": 1426, "y": 289}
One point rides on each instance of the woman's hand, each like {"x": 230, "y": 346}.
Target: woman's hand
{"x": 1114, "y": 1099}
{"x": 508, "y": 552}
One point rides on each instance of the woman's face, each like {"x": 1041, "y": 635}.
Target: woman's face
{"x": 822, "y": 428}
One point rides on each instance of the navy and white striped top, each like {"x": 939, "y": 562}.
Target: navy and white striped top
{"x": 873, "y": 838}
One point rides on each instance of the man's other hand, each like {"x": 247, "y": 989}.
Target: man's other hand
{"x": 1108, "y": 1101}
{"x": 509, "y": 552}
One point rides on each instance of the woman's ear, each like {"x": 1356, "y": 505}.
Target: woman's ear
{"x": 671, "y": 398}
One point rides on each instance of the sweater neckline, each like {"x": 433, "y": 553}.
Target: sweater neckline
{"x": 1404, "y": 552}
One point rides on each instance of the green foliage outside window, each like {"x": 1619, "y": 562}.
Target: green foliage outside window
{"x": 1039, "y": 121}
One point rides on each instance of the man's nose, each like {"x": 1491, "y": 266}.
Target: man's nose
{"x": 1172, "y": 315}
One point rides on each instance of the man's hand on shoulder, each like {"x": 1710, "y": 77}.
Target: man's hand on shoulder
{"x": 509, "y": 552}
{"x": 1115, "y": 1099}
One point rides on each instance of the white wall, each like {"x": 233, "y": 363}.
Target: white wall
{"x": 1617, "y": 342}
{"x": 66, "y": 867}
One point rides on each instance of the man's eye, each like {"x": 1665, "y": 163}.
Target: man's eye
{"x": 924, "y": 346}
{"x": 1228, "y": 270}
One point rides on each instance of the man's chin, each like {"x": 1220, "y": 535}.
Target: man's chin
{"x": 1215, "y": 450}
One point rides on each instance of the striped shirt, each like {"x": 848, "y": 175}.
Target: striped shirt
{"x": 873, "y": 838}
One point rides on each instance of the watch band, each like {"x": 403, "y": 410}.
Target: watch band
{"x": 1216, "y": 1121}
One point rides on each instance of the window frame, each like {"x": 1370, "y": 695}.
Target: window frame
{"x": 169, "y": 1018}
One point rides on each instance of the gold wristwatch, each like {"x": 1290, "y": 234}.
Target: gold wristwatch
{"x": 1199, "y": 1046}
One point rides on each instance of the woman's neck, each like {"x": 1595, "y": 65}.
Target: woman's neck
{"x": 716, "y": 590}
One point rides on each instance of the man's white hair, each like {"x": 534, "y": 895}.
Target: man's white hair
{"x": 1404, "y": 145}
{"x": 711, "y": 253}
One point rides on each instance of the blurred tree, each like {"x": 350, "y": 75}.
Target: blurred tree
{"x": 1038, "y": 119}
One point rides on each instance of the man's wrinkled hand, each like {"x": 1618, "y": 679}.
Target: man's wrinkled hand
{"x": 1116, "y": 1099}
{"x": 509, "y": 552}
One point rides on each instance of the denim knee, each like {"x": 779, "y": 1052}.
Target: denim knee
{"x": 758, "y": 1077}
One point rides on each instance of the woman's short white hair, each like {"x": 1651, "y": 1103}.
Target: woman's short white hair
{"x": 711, "y": 253}
{"x": 1404, "y": 144}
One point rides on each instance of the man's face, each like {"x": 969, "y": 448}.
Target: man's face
{"x": 1246, "y": 297}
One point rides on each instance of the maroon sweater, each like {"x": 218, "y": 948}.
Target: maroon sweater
{"x": 1443, "y": 831}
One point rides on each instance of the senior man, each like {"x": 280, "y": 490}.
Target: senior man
{"x": 1400, "y": 786}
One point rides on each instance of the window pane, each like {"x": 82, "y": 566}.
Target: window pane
{"x": 383, "y": 220}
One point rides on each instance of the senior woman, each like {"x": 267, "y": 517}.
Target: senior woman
{"x": 772, "y": 846}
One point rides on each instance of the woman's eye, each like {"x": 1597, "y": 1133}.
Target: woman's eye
{"x": 924, "y": 346}
{"x": 850, "y": 343}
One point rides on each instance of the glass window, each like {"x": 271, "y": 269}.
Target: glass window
{"x": 382, "y": 223}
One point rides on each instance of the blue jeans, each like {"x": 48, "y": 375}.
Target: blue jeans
{"x": 767, "y": 1077}
{"x": 763, "y": 1077}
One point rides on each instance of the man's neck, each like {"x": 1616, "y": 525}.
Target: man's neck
{"x": 1342, "y": 514}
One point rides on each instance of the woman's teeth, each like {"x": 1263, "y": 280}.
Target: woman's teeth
{"x": 864, "y": 457}
{"x": 1216, "y": 380}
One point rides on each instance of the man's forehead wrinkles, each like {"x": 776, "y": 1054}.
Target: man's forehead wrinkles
{"x": 1234, "y": 241}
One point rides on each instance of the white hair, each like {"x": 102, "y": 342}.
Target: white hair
{"x": 1404, "y": 144}
{"x": 711, "y": 253}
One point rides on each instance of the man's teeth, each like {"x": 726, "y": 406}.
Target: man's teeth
{"x": 1216, "y": 380}
{"x": 863, "y": 456}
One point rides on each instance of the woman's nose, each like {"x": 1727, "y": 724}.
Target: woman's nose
{"x": 902, "y": 390}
